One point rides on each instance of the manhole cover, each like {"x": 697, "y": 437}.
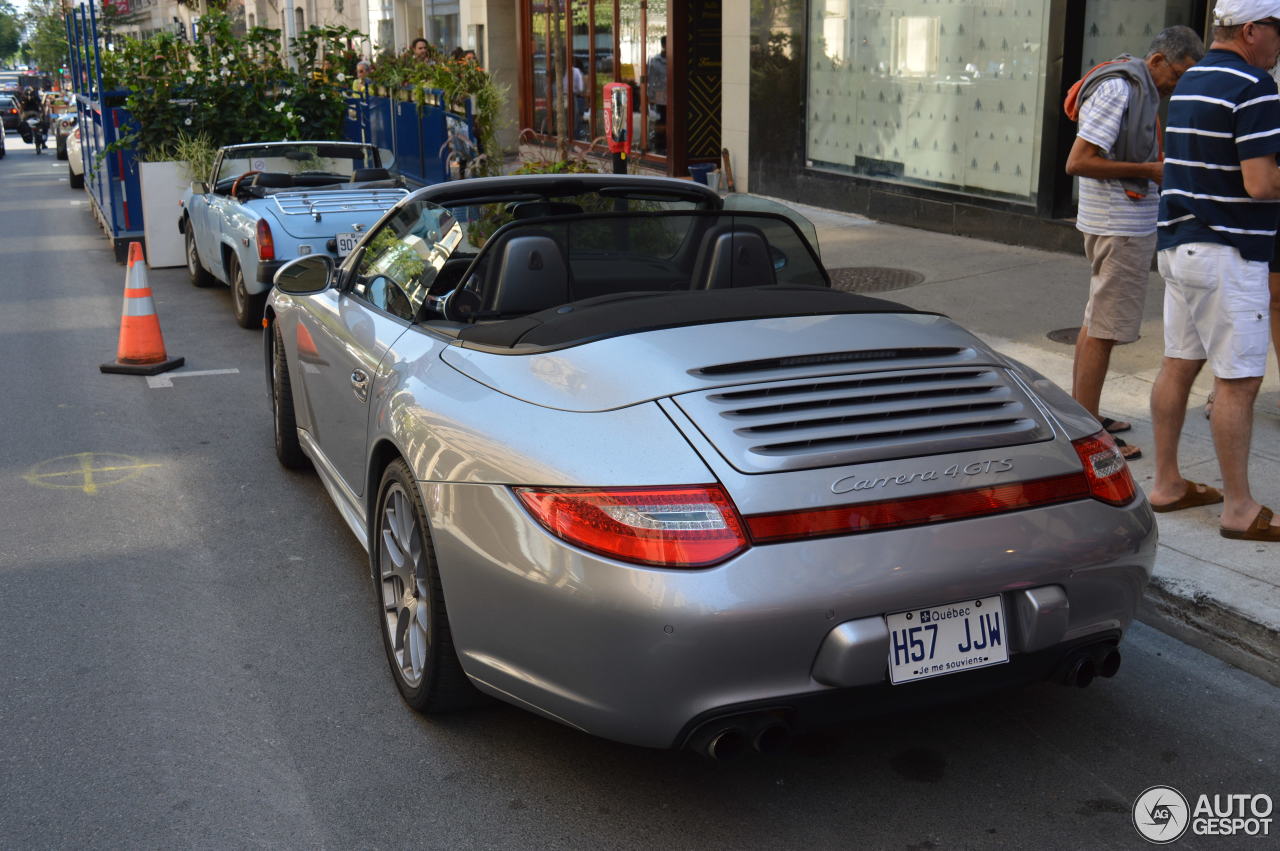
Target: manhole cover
{"x": 873, "y": 279}
{"x": 1065, "y": 335}
{"x": 1069, "y": 335}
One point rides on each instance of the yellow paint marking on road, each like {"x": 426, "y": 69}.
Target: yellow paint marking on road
{"x": 93, "y": 469}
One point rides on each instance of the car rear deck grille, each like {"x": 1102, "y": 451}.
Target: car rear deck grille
{"x": 770, "y": 364}
{"x": 337, "y": 201}
{"x": 800, "y": 424}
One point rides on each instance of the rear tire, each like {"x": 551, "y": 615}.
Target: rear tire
{"x": 76, "y": 181}
{"x": 195, "y": 271}
{"x": 288, "y": 449}
{"x": 247, "y": 308}
{"x": 410, "y": 600}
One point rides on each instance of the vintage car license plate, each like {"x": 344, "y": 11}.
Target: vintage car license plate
{"x": 947, "y": 639}
{"x": 347, "y": 243}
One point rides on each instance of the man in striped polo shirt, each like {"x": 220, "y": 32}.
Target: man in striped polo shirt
{"x": 1218, "y": 220}
{"x": 1116, "y": 155}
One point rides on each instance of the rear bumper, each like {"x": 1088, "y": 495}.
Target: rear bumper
{"x": 267, "y": 271}
{"x": 641, "y": 655}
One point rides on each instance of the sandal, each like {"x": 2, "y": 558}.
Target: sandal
{"x": 1133, "y": 453}
{"x": 1208, "y": 405}
{"x": 1259, "y": 530}
{"x": 1114, "y": 426}
{"x": 1196, "y": 496}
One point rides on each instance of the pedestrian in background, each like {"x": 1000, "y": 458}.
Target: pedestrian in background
{"x": 363, "y": 69}
{"x": 1217, "y": 232}
{"x": 1117, "y": 157}
{"x": 656, "y": 88}
{"x": 420, "y": 48}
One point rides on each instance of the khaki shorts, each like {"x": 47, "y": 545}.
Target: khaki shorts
{"x": 1216, "y": 308}
{"x": 1117, "y": 285}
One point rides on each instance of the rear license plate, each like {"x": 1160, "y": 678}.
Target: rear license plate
{"x": 947, "y": 639}
{"x": 347, "y": 243}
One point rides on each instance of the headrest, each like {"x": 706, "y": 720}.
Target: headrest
{"x": 362, "y": 174}
{"x": 734, "y": 257}
{"x": 530, "y": 275}
{"x": 542, "y": 209}
{"x": 272, "y": 179}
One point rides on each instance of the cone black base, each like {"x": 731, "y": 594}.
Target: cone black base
{"x": 142, "y": 368}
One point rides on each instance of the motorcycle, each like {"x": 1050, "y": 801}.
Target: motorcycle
{"x": 38, "y": 133}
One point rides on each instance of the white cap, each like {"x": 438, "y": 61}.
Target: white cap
{"x": 1232, "y": 13}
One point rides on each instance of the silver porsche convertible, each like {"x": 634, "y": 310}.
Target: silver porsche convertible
{"x": 622, "y": 456}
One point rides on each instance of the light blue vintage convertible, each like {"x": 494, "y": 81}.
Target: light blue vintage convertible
{"x": 269, "y": 202}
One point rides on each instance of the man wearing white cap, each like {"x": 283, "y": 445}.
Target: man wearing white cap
{"x": 1218, "y": 220}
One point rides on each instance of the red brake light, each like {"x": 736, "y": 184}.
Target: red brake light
{"x": 266, "y": 245}
{"x": 665, "y": 527}
{"x": 915, "y": 511}
{"x": 1105, "y": 468}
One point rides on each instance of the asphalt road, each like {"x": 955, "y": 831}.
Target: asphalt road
{"x": 189, "y": 656}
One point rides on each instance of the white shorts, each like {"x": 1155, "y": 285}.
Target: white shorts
{"x": 1216, "y": 308}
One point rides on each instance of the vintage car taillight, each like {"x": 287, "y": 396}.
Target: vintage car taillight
{"x": 665, "y": 527}
{"x": 1105, "y": 468}
{"x": 266, "y": 245}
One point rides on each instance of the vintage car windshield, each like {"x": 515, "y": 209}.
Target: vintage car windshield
{"x": 330, "y": 160}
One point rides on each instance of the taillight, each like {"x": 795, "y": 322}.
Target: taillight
{"x": 1105, "y": 469}
{"x": 266, "y": 245}
{"x": 915, "y": 511}
{"x": 665, "y": 527}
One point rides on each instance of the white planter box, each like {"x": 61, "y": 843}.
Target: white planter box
{"x": 162, "y": 186}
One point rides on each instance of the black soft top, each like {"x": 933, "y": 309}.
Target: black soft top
{"x": 630, "y": 313}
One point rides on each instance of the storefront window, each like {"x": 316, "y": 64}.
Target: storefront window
{"x": 610, "y": 40}
{"x": 947, "y": 95}
{"x": 1111, "y": 28}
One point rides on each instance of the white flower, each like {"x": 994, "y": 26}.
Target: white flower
{"x": 224, "y": 60}
{"x": 226, "y": 72}
{"x": 288, "y": 91}
{"x": 289, "y": 115}
{"x": 213, "y": 78}
{"x": 342, "y": 78}
{"x": 303, "y": 120}
{"x": 280, "y": 106}
{"x": 187, "y": 122}
{"x": 190, "y": 79}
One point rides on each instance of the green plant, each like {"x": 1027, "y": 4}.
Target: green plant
{"x": 407, "y": 77}
{"x": 197, "y": 152}
{"x": 227, "y": 87}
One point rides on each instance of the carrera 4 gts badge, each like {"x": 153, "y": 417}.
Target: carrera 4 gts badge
{"x": 977, "y": 468}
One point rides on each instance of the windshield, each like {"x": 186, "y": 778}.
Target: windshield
{"x": 337, "y": 161}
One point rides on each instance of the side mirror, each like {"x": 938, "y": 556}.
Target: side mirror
{"x": 199, "y": 187}
{"x": 307, "y": 275}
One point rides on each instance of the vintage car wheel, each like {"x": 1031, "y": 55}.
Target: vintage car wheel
{"x": 199, "y": 277}
{"x": 415, "y": 626}
{"x": 288, "y": 449}
{"x": 247, "y": 308}
{"x": 76, "y": 181}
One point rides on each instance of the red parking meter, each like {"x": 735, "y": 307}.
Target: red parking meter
{"x": 617, "y": 123}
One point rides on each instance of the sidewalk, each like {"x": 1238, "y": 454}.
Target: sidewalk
{"x": 1220, "y": 595}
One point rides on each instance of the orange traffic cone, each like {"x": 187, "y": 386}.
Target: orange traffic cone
{"x": 141, "y": 350}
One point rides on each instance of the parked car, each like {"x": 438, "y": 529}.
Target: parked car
{"x": 10, "y": 112}
{"x": 61, "y": 114}
{"x": 267, "y": 203}
{"x": 620, "y": 455}
{"x": 75, "y": 160}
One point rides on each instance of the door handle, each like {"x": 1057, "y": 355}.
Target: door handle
{"x": 360, "y": 384}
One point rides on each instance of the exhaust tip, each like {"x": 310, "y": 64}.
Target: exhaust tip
{"x": 1109, "y": 663}
{"x": 727, "y": 744}
{"x": 1083, "y": 672}
{"x": 771, "y": 738}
